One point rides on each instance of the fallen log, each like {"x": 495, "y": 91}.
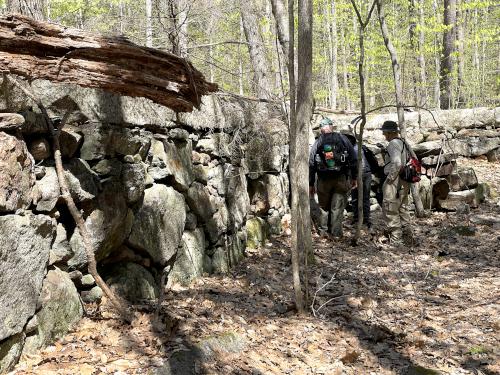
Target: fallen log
{"x": 35, "y": 49}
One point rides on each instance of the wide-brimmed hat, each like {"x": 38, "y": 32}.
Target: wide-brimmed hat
{"x": 389, "y": 126}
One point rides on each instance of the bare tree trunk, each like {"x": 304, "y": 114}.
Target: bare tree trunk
{"x": 419, "y": 208}
{"x": 413, "y": 47}
{"x": 333, "y": 47}
{"x": 281, "y": 18}
{"x": 149, "y": 23}
{"x": 304, "y": 115}
{"x": 30, "y": 8}
{"x": 182, "y": 27}
{"x": 240, "y": 61}
{"x": 345, "y": 79}
{"x": 297, "y": 284}
{"x": 437, "y": 56}
{"x": 420, "y": 56}
{"x": 461, "y": 58}
{"x": 256, "y": 49}
{"x": 446, "y": 69}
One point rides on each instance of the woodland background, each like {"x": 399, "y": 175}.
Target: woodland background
{"x": 217, "y": 36}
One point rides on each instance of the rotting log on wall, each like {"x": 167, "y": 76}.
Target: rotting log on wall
{"x": 35, "y": 49}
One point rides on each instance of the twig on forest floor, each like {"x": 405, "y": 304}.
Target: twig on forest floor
{"x": 315, "y": 311}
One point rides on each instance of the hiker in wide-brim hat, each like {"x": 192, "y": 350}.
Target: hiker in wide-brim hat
{"x": 395, "y": 190}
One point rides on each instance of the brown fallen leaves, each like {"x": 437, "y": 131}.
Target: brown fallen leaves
{"x": 435, "y": 306}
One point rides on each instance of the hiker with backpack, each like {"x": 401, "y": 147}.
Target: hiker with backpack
{"x": 401, "y": 169}
{"x": 333, "y": 160}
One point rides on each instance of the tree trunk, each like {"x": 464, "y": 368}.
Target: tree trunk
{"x": 333, "y": 46}
{"x": 446, "y": 67}
{"x": 297, "y": 284}
{"x": 149, "y": 23}
{"x": 399, "y": 96}
{"x": 461, "y": 58}
{"x": 182, "y": 27}
{"x": 437, "y": 55}
{"x": 345, "y": 78}
{"x": 412, "y": 34}
{"x": 281, "y": 18}
{"x": 256, "y": 49}
{"x": 304, "y": 115}
{"x": 30, "y": 8}
{"x": 420, "y": 56}
{"x": 108, "y": 63}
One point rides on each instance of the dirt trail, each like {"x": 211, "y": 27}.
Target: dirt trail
{"x": 385, "y": 311}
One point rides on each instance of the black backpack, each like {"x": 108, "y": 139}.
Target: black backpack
{"x": 332, "y": 154}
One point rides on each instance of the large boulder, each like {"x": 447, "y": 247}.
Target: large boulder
{"x": 61, "y": 309}
{"x": 159, "y": 223}
{"x": 189, "y": 261}
{"x": 132, "y": 281}
{"x": 109, "y": 225}
{"x": 82, "y": 181}
{"x": 89, "y": 104}
{"x": 17, "y": 175}
{"x": 201, "y": 202}
{"x": 172, "y": 159}
{"x": 25, "y": 243}
{"x": 103, "y": 140}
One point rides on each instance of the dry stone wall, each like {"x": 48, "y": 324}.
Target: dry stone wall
{"x": 162, "y": 194}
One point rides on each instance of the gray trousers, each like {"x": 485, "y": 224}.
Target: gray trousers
{"x": 332, "y": 198}
{"x": 395, "y": 209}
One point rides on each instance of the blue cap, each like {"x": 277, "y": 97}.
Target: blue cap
{"x": 325, "y": 121}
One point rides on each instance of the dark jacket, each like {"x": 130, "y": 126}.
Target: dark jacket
{"x": 334, "y": 138}
{"x": 372, "y": 161}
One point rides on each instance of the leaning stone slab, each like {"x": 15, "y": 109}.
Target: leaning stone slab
{"x": 109, "y": 225}
{"x": 189, "y": 261}
{"x": 17, "y": 175}
{"x": 24, "y": 252}
{"x": 61, "y": 309}
{"x": 159, "y": 223}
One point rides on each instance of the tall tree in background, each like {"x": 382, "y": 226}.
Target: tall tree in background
{"x": 361, "y": 72}
{"x": 256, "y": 49}
{"x": 446, "y": 67}
{"x": 333, "y": 55}
{"x": 280, "y": 16}
{"x": 31, "y": 8}
{"x": 149, "y": 23}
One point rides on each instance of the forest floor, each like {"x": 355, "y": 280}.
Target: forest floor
{"x": 377, "y": 310}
